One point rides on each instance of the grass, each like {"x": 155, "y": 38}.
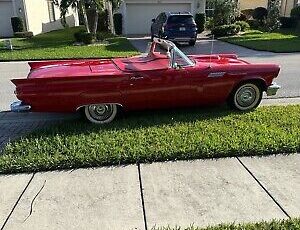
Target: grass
{"x": 59, "y": 45}
{"x": 290, "y": 224}
{"x": 279, "y": 42}
{"x": 156, "y": 136}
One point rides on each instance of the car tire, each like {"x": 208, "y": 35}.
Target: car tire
{"x": 246, "y": 96}
{"x": 192, "y": 43}
{"x": 100, "y": 113}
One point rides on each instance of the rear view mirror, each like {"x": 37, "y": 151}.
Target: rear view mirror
{"x": 153, "y": 20}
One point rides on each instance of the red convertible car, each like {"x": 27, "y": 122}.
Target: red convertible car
{"x": 164, "y": 77}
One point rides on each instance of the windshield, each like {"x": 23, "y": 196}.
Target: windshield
{"x": 180, "y": 59}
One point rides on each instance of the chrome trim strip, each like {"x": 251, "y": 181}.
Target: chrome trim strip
{"x": 18, "y": 106}
{"x": 272, "y": 89}
{"x": 216, "y": 74}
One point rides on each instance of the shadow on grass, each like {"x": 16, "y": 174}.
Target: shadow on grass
{"x": 138, "y": 120}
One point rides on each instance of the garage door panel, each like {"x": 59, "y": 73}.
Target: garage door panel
{"x": 139, "y": 16}
{"x": 5, "y": 15}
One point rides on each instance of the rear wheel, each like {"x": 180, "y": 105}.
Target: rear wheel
{"x": 100, "y": 113}
{"x": 245, "y": 97}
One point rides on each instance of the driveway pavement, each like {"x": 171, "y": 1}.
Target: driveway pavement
{"x": 289, "y": 77}
{"x": 201, "y": 192}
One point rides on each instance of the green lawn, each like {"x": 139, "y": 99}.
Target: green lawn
{"x": 290, "y": 224}
{"x": 157, "y": 136}
{"x": 59, "y": 45}
{"x": 284, "y": 41}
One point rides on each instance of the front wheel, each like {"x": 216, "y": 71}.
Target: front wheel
{"x": 100, "y": 113}
{"x": 245, "y": 97}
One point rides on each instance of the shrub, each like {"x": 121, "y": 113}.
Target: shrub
{"x": 248, "y": 13}
{"x": 88, "y": 38}
{"x": 25, "y": 34}
{"x": 242, "y": 17}
{"x": 288, "y": 22}
{"x": 118, "y": 23}
{"x": 209, "y": 23}
{"x": 272, "y": 21}
{"x": 200, "y": 21}
{"x": 260, "y": 13}
{"x": 103, "y": 35}
{"x": 244, "y": 25}
{"x": 225, "y": 11}
{"x": 296, "y": 12}
{"x": 85, "y": 37}
{"x": 78, "y": 35}
{"x": 17, "y": 24}
{"x": 226, "y": 30}
{"x": 254, "y": 24}
{"x": 103, "y": 21}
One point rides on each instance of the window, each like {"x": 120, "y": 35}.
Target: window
{"x": 51, "y": 10}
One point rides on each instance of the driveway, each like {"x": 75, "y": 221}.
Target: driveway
{"x": 289, "y": 77}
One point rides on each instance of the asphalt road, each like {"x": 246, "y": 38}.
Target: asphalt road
{"x": 289, "y": 77}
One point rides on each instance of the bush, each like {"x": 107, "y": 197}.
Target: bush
{"x": 85, "y": 37}
{"x": 209, "y": 23}
{"x": 200, "y": 21}
{"x": 226, "y": 30}
{"x": 273, "y": 19}
{"x": 103, "y": 35}
{"x": 260, "y": 13}
{"x": 103, "y": 21}
{"x": 118, "y": 23}
{"x": 296, "y": 12}
{"x": 242, "y": 17}
{"x": 17, "y": 24}
{"x": 244, "y": 25}
{"x": 25, "y": 34}
{"x": 288, "y": 22}
{"x": 254, "y": 24}
{"x": 248, "y": 13}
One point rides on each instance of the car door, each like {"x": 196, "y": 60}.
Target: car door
{"x": 157, "y": 89}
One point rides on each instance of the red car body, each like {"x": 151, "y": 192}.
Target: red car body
{"x": 143, "y": 82}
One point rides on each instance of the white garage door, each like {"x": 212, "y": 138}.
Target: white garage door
{"x": 139, "y": 16}
{"x": 6, "y": 12}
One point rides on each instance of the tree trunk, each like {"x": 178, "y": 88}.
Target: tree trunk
{"x": 82, "y": 8}
{"x": 95, "y": 26}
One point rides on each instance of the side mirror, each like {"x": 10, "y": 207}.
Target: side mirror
{"x": 153, "y": 20}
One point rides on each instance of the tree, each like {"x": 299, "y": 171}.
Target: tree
{"x": 273, "y": 18}
{"x": 224, "y": 12}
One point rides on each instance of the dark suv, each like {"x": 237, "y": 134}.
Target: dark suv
{"x": 176, "y": 27}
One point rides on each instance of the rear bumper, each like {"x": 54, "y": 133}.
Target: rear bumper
{"x": 19, "y": 106}
{"x": 272, "y": 89}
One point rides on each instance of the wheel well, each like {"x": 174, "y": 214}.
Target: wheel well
{"x": 259, "y": 82}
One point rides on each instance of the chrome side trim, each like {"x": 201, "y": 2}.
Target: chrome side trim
{"x": 217, "y": 74}
{"x": 18, "y": 106}
{"x": 272, "y": 89}
{"x": 97, "y": 104}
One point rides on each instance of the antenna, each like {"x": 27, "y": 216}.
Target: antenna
{"x": 211, "y": 50}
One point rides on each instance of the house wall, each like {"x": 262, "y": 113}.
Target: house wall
{"x": 38, "y": 19}
{"x": 252, "y": 4}
{"x": 148, "y": 9}
{"x": 287, "y": 6}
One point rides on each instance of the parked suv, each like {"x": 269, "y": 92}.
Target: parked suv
{"x": 176, "y": 27}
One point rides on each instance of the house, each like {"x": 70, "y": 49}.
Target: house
{"x": 137, "y": 14}
{"x": 286, "y": 5}
{"x": 39, "y": 16}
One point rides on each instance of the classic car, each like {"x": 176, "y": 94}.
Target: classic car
{"x": 164, "y": 77}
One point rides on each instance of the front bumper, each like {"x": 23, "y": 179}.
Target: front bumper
{"x": 272, "y": 89}
{"x": 19, "y": 106}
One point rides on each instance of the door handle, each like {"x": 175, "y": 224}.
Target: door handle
{"x": 136, "y": 77}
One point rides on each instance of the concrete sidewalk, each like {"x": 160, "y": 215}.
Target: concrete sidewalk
{"x": 201, "y": 192}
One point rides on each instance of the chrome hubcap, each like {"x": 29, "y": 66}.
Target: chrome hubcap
{"x": 246, "y": 96}
{"x": 100, "y": 112}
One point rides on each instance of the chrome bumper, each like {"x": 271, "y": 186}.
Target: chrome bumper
{"x": 272, "y": 89}
{"x": 19, "y": 106}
